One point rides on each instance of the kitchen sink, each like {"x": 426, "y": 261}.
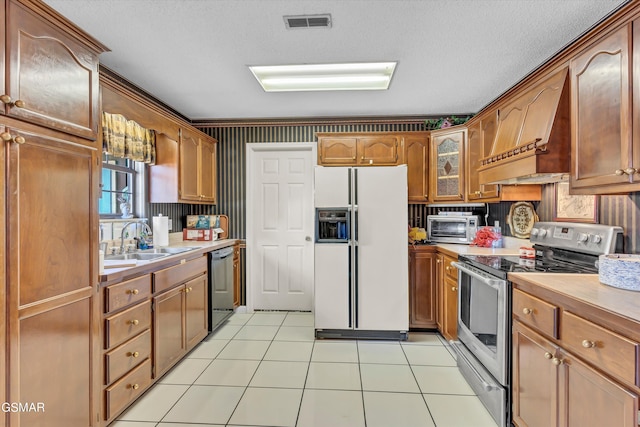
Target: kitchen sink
{"x": 136, "y": 256}
{"x": 169, "y": 251}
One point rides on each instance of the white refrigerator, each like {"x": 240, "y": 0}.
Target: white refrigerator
{"x": 361, "y": 284}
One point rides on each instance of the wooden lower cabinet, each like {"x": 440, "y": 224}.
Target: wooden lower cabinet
{"x": 145, "y": 333}
{"x": 195, "y": 311}
{"x": 169, "y": 342}
{"x": 535, "y": 379}
{"x": 180, "y": 322}
{"x": 557, "y": 383}
{"x": 180, "y": 313}
{"x": 422, "y": 287}
{"x": 551, "y": 387}
{"x": 447, "y": 296}
{"x": 126, "y": 343}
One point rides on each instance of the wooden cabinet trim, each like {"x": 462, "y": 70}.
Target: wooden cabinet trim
{"x": 126, "y": 293}
{"x": 120, "y": 327}
{"x": 127, "y": 356}
{"x": 174, "y": 275}
{"x": 127, "y": 389}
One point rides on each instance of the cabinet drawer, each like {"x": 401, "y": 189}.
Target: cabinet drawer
{"x": 449, "y": 270}
{"x": 122, "y": 359}
{"x": 169, "y": 277}
{"x": 536, "y": 313}
{"x": 129, "y": 388}
{"x": 129, "y": 323}
{"x": 127, "y": 293}
{"x": 605, "y": 349}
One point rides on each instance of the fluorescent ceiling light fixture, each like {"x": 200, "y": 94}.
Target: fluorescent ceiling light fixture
{"x": 314, "y": 77}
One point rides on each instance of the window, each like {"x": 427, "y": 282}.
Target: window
{"x": 120, "y": 183}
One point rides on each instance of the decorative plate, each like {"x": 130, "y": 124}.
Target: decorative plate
{"x": 521, "y": 218}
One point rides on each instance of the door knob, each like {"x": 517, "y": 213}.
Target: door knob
{"x": 308, "y": 238}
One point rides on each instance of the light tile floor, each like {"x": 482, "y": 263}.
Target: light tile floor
{"x": 266, "y": 369}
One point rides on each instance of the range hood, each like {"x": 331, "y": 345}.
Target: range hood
{"x": 533, "y": 140}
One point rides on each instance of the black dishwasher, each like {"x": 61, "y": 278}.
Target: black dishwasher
{"x": 220, "y": 286}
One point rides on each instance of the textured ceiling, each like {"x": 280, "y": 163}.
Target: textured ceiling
{"x": 454, "y": 56}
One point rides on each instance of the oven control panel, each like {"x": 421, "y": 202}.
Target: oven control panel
{"x": 596, "y": 239}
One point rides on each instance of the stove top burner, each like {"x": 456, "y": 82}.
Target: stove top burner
{"x": 500, "y": 265}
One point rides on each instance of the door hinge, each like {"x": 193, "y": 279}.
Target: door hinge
{"x": 153, "y": 306}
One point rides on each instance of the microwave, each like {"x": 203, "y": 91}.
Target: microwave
{"x": 452, "y": 228}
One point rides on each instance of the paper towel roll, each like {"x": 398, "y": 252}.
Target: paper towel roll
{"x": 160, "y": 231}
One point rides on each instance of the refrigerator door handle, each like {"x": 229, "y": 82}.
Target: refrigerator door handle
{"x": 350, "y": 287}
{"x": 349, "y": 183}
{"x": 355, "y": 287}
{"x": 355, "y": 186}
{"x": 355, "y": 225}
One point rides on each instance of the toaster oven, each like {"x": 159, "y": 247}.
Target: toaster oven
{"x": 452, "y": 228}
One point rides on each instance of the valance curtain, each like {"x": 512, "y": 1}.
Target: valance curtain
{"x": 127, "y": 139}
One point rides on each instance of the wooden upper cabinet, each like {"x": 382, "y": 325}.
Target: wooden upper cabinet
{"x": 416, "y": 155}
{"x": 350, "y": 149}
{"x": 480, "y": 135}
{"x": 51, "y": 75}
{"x": 189, "y": 148}
{"x": 208, "y": 182}
{"x": 378, "y": 151}
{"x": 446, "y": 168}
{"x": 336, "y": 151}
{"x": 601, "y": 136}
{"x": 185, "y": 170}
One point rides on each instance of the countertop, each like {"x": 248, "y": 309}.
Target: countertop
{"x": 111, "y": 274}
{"x": 587, "y": 289}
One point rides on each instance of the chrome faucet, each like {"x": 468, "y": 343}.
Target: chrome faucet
{"x": 124, "y": 228}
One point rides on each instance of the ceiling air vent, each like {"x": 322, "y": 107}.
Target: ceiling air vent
{"x": 308, "y": 21}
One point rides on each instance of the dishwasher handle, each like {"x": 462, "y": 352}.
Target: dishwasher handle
{"x": 222, "y": 253}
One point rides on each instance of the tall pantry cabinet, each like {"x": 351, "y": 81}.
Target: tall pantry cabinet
{"x": 50, "y": 164}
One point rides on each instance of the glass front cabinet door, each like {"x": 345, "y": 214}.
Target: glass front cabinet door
{"x": 446, "y": 170}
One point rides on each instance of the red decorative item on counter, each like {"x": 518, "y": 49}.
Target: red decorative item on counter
{"x": 485, "y": 237}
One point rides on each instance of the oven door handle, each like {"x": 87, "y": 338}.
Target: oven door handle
{"x": 494, "y": 283}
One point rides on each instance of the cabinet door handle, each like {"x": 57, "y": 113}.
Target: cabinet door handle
{"x": 134, "y": 386}
{"x": 527, "y": 311}
{"x": 134, "y": 322}
{"x": 134, "y": 354}
{"x": 588, "y": 344}
{"x": 619, "y": 172}
{"x": 6, "y": 136}
{"x": 6, "y": 99}
{"x": 548, "y": 356}
{"x": 556, "y": 361}
{"x": 132, "y": 291}
{"x": 453, "y": 288}
{"x": 630, "y": 171}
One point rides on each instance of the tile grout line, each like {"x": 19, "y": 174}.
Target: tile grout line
{"x": 254, "y": 372}
{"x": 188, "y": 385}
{"x": 419, "y": 388}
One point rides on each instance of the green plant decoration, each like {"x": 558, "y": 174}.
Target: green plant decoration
{"x": 444, "y": 122}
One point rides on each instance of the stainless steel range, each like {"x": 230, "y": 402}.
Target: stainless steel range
{"x": 484, "y": 301}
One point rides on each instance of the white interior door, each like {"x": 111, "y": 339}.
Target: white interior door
{"x": 280, "y": 226}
